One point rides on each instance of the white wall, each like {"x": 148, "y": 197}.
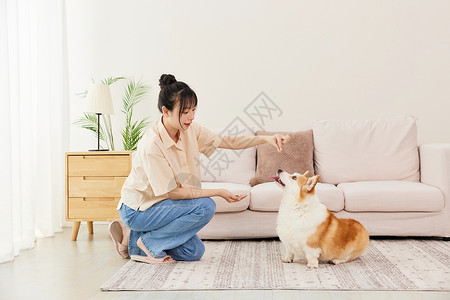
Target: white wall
{"x": 315, "y": 59}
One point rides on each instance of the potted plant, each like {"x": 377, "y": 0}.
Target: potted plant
{"x": 133, "y": 131}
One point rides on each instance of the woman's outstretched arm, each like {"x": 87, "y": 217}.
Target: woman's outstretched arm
{"x": 242, "y": 142}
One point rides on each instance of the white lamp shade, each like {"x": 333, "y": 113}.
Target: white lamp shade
{"x": 100, "y": 100}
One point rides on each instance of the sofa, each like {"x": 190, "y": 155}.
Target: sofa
{"x": 370, "y": 170}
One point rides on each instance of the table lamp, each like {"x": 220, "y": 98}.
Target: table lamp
{"x": 100, "y": 103}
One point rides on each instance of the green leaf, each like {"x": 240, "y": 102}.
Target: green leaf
{"x": 133, "y": 132}
{"x": 89, "y": 122}
{"x": 82, "y": 94}
{"x": 112, "y": 80}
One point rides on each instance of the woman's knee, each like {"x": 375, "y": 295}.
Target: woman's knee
{"x": 192, "y": 250}
{"x": 199, "y": 251}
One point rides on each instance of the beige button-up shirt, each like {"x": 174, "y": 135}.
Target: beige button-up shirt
{"x": 160, "y": 164}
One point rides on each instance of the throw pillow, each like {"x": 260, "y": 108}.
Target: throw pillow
{"x": 297, "y": 156}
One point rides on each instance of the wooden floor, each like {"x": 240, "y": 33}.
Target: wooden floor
{"x": 58, "y": 268}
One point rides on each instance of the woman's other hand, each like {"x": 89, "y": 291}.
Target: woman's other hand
{"x": 277, "y": 140}
{"x": 230, "y": 197}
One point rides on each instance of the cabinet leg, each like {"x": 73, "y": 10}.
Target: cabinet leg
{"x": 90, "y": 226}
{"x": 76, "y": 227}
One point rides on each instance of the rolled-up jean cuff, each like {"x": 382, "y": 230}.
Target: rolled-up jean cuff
{"x": 152, "y": 252}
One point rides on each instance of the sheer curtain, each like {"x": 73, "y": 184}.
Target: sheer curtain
{"x": 34, "y": 122}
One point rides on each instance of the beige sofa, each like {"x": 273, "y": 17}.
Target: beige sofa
{"x": 372, "y": 171}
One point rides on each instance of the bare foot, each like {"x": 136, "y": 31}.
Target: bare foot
{"x": 150, "y": 258}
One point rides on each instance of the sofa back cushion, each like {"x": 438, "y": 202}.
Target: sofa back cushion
{"x": 227, "y": 165}
{"x": 366, "y": 150}
{"x": 297, "y": 156}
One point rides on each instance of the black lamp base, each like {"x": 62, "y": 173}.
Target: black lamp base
{"x": 98, "y": 135}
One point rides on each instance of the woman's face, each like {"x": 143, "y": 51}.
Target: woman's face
{"x": 186, "y": 118}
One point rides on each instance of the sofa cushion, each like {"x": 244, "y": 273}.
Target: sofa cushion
{"x": 366, "y": 150}
{"x": 267, "y": 197}
{"x": 221, "y": 204}
{"x": 226, "y": 165}
{"x": 391, "y": 196}
{"x": 297, "y": 156}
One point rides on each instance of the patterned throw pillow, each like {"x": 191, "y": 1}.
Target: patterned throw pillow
{"x": 297, "y": 156}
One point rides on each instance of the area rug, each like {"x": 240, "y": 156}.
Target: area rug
{"x": 386, "y": 265}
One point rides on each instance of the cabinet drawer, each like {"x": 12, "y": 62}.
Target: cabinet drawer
{"x": 95, "y": 186}
{"x": 93, "y": 208}
{"x": 98, "y": 165}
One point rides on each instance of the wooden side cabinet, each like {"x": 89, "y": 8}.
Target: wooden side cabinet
{"x": 93, "y": 184}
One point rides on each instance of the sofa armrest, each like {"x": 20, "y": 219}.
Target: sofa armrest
{"x": 435, "y": 167}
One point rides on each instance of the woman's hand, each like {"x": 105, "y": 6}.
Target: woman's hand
{"x": 230, "y": 197}
{"x": 277, "y": 140}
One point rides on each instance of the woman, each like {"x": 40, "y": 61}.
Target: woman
{"x": 162, "y": 205}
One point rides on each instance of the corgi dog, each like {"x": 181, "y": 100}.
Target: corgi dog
{"x": 309, "y": 230}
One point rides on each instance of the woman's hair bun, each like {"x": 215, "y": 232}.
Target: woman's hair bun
{"x": 166, "y": 79}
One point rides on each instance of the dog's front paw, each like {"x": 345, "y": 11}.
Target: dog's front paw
{"x": 288, "y": 258}
{"x": 312, "y": 265}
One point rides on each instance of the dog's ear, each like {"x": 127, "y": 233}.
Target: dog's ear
{"x": 311, "y": 183}
{"x": 306, "y": 173}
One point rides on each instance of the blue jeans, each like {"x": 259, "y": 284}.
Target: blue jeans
{"x": 169, "y": 227}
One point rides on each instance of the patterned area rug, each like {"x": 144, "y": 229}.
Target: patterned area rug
{"x": 386, "y": 265}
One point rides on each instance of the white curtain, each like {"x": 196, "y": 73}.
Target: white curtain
{"x": 34, "y": 122}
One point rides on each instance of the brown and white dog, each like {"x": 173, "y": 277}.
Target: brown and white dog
{"x": 309, "y": 230}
